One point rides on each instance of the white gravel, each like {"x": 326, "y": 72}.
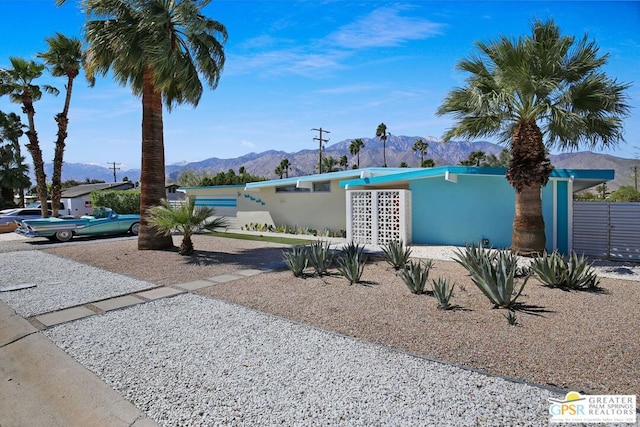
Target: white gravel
{"x": 192, "y": 360}
{"x": 59, "y": 282}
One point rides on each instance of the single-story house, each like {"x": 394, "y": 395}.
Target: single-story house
{"x": 449, "y": 205}
{"x": 77, "y": 200}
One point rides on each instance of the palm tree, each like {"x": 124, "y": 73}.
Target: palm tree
{"x": 420, "y": 146}
{"x": 474, "y": 159}
{"x": 11, "y": 129}
{"x": 279, "y": 171}
{"x": 64, "y": 58}
{"x": 355, "y": 147}
{"x": 329, "y": 164}
{"x": 185, "y": 219}
{"x": 536, "y": 92}
{"x": 285, "y": 165}
{"x": 17, "y": 83}
{"x": 381, "y": 132}
{"x": 160, "y": 48}
{"x": 344, "y": 162}
{"x": 13, "y": 174}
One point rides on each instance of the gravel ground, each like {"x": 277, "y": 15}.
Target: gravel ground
{"x": 59, "y": 282}
{"x": 236, "y": 366}
{"x": 161, "y": 353}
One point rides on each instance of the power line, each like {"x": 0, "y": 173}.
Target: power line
{"x": 320, "y": 142}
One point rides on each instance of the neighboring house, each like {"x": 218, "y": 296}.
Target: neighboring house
{"x": 175, "y": 195}
{"x": 77, "y": 200}
{"x": 449, "y": 205}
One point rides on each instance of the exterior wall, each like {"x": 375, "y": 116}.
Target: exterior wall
{"x": 223, "y": 199}
{"x": 463, "y": 212}
{"x": 316, "y": 210}
{"x": 482, "y": 207}
{"x": 78, "y": 206}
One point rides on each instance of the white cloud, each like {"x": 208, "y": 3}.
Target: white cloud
{"x": 383, "y": 27}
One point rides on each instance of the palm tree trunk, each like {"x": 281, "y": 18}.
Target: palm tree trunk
{"x": 186, "y": 247}
{"x": 152, "y": 175}
{"x": 63, "y": 123}
{"x": 36, "y": 154}
{"x": 528, "y": 236}
{"x": 528, "y": 172}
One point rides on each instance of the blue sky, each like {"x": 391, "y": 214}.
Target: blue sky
{"x": 292, "y": 66}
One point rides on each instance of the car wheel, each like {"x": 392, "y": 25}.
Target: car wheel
{"x": 135, "y": 229}
{"x": 64, "y": 235}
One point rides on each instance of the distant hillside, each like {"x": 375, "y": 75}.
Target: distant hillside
{"x": 398, "y": 150}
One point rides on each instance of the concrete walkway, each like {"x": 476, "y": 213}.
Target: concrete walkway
{"x": 42, "y": 386}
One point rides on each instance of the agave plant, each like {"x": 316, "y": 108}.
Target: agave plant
{"x": 555, "y": 272}
{"x": 443, "y": 291}
{"x": 396, "y": 254}
{"x": 511, "y": 318}
{"x": 415, "y": 276}
{"x": 296, "y": 259}
{"x": 493, "y": 273}
{"x": 320, "y": 256}
{"x": 351, "y": 263}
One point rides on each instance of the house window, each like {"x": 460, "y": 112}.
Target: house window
{"x": 322, "y": 187}
{"x": 291, "y": 189}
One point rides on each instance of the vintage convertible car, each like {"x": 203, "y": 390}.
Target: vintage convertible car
{"x": 103, "y": 222}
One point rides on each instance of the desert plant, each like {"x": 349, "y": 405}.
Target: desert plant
{"x": 555, "y": 272}
{"x": 396, "y": 254}
{"x": 493, "y": 273}
{"x": 296, "y": 259}
{"x": 186, "y": 219}
{"x": 320, "y": 256}
{"x": 443, "y": 292}
{"x": 415, "y": 276}
{"x": 511, "y": 317}
{"x": 351, "y": 266}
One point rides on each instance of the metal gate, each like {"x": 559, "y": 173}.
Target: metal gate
{"x": 607, "y": 230}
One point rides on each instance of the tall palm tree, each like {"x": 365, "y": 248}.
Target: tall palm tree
{"x": 537, "y": 92}
{"x": 186, "y": 219}
{"x": 381, "y": 132}
{"x": 12, "y": 129}
{"x": 279, "y": 171}
{"x": 17, "y": 83}
{"x": 420, "y": 146}
{"x": 355, "y": 147}
{"x": 64, "y": 59}
{"x": 161, "y": 48}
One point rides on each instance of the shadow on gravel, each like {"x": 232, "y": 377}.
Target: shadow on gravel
{"x": 247, "y": 258}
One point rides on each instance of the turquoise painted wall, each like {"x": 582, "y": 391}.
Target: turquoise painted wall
{"x": 474, "y": 208}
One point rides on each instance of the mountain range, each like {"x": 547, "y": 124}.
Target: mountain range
{"x": 398, "y": 150}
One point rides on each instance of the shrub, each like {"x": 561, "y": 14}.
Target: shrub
{"x": 493, "y": 273}
{"x": 415, "y": 276}
{"x": 296, "y": 259}
{"x": 555, "y": 272}
{"x": 396, "y": 254}
{"x": 121, "y": 201}
{"x": 351, "y": 264}
{"x": 443, "y": 292}
{"x": 320, "y": 256}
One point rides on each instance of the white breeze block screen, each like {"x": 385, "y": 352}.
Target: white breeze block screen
{"x": 377, "y": 217}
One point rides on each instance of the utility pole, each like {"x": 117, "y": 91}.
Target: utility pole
{"x": 114, "y": 169}
{"x": 320, "y": 142}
